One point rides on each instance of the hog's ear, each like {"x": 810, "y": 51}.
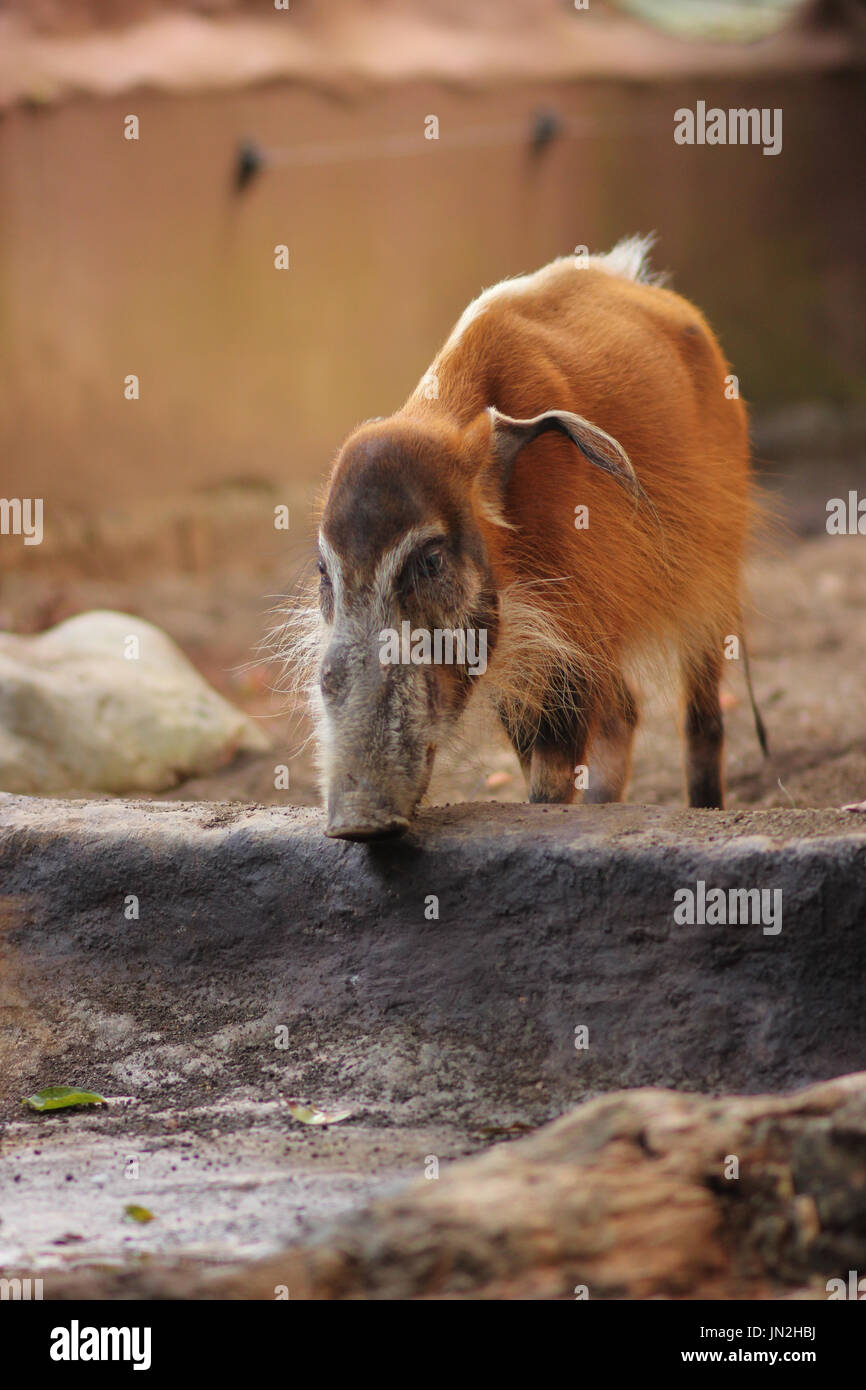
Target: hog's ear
{"x": 508, "y": 436}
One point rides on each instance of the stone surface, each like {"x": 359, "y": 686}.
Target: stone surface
{"x": 548, "y": 918}
{"x": 79, "y": 709}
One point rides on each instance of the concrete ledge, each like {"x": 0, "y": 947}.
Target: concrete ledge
{"x": 548, "y": 919}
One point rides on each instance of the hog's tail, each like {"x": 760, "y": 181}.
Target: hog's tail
{"x": 760, "y": 728}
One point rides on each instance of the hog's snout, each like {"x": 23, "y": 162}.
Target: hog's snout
{"x": 371, "y": 780}
{"x": 357, "y": 812}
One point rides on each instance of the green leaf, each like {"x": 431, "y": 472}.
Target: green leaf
{"x": 59, "y": 1097}
{"x": 136, "y": 1213}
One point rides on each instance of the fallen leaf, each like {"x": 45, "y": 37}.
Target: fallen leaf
{"x": 59, "y": 1097}
{"x": 136, "y": 1213}
{"x": 312, "y": 1115}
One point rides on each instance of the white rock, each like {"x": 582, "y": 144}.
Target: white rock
{"x": 76, "y": 712}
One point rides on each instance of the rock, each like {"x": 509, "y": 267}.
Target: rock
{"x": 79, "y": 710}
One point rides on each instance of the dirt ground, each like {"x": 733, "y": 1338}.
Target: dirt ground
{"x": 807, "y": 638}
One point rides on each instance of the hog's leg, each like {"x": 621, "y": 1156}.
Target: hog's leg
{"x": 559, "y": 745}
{"x": 704, "y": 734}
{"x": 552, "y": 747}
{"x": 554, "y": 761}
{"x": 610, "y": 748}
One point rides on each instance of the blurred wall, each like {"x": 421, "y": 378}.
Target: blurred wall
{"x": 121, "y": 257}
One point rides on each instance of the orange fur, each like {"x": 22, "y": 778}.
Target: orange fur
{"x": 641, "y": 362}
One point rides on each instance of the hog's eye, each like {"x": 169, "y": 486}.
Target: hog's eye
{"x": 323, "y": 572}
{"x": 425, "y": 565}
{"x": 430, "y": 563}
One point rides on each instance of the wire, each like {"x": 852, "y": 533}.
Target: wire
{"x": 544, "y": 128}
